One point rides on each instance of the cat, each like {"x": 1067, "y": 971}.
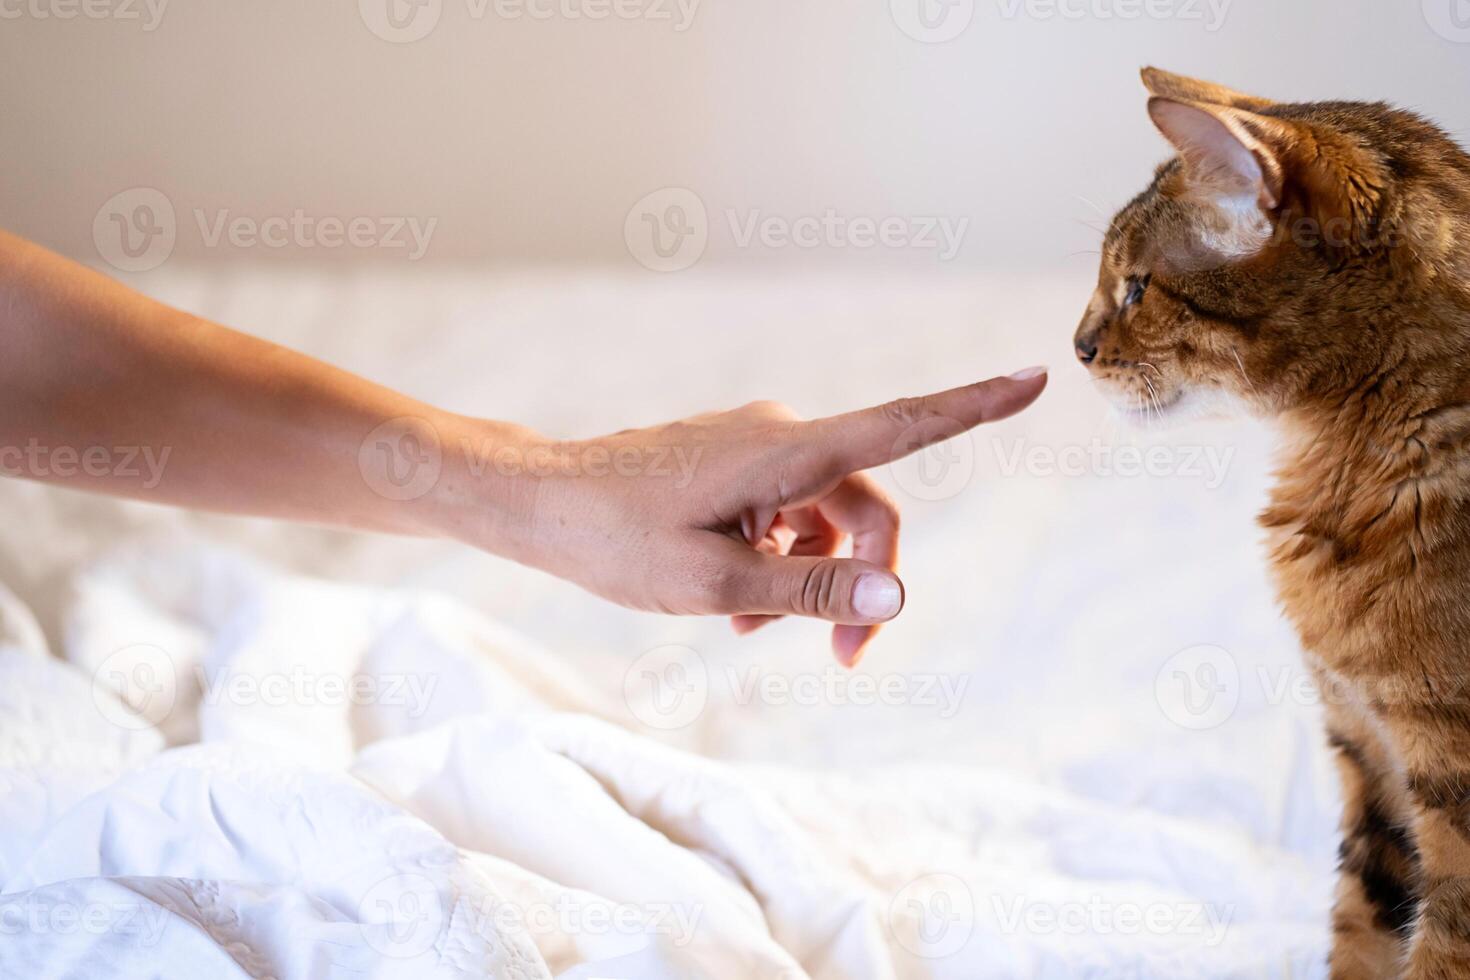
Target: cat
{"x": 1310, "y": 263}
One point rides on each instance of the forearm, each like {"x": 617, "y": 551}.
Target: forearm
{"x": 107, "y": 390}
{"x": 738, "y": 513}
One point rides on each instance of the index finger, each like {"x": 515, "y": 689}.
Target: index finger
{"x": 875, "y": 436}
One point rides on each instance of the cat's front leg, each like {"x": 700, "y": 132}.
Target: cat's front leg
{"x": 1376, "y": 901}
{"x": 1441, "y": 946}
{"x": 1433, "y": 739}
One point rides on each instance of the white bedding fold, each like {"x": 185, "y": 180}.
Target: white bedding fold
{"x": 237, "y": 772}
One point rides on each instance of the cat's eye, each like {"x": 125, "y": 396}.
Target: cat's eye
{"x": 1137, "y": 286}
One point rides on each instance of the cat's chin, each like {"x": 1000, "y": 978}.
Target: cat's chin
{"x": 1183, "y": 406}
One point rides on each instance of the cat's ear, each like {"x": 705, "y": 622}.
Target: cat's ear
{"x": 1246, "y": 164}
{"x": 1231, "y": 158}
{"x": 1170, "y": 86}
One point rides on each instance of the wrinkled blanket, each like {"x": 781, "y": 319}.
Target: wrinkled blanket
{"x": 232, "y": 772}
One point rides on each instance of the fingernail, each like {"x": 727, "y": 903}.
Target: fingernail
{"x": 1026, "y": 374}
{"x": 877, "y": 596}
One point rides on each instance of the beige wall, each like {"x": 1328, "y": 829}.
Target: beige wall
{"x": 529, "y": 139}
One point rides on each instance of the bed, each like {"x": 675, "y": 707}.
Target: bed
{"x": 1087, "y": 748}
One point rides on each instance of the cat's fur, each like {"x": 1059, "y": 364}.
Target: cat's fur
{"x": 1311, "y": 263}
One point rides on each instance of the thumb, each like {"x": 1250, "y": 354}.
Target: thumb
{"x": 840, "y": 590}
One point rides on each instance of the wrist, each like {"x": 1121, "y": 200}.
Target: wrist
{"x": 484, "y": 496}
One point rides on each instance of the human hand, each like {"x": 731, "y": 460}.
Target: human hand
{"x": 741, "y": 513}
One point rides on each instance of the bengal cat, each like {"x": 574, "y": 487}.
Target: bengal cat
{"x": 1310, "y": 263}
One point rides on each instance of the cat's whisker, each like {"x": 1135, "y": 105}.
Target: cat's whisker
{"x": 1100, "y": 212}
{"x": 1153, "y": 396}
{"x": 1241, "y": 364}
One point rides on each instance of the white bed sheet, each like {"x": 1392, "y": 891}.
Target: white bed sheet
{"x": 1045, "y": 775}
{"x": 283, "y": 777}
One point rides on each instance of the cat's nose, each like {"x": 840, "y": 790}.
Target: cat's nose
{"x": 1089, "y": 331}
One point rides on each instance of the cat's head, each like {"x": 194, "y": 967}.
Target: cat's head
{"x": 1281, "y": 258}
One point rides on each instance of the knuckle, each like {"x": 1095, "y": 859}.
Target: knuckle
{"x": 771, "y": 410}
{"x": 906, "y": 411}
{"x": 818, "y": 593}
{"x": 796, "y": 466}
